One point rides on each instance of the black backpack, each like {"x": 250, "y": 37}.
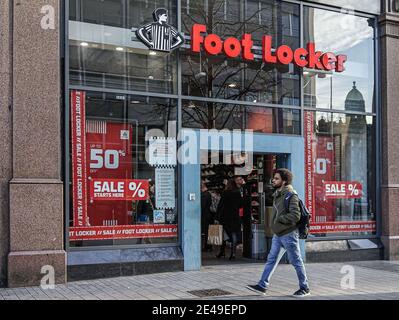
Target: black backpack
{"x": 304, "y": 222}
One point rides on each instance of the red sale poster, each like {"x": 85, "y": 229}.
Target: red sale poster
{"x": 323, "y": 162}
{"x": 109, "y": 155}
{"x": 343, "y": 226}
{"x": 309, "y": 161}
{"x": 323, "y": 171}
{"x": 341, "y": 190}
{"x": 79, "y": 173}
{"x": 118, "y": 189}
{"x": 123, "y": 232}
{"x": 104, "y": 190}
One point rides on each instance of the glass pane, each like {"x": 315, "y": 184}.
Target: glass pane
{"x": 266, "y": 82}
{"x": 104, "y": 52}
{"x": 109, "y": 12}
{"x": 140, "y": 11}
{"x": 273, "y": 18}
{"x": 114, "y": 188}
{"x": 218, "y": 76}
{"x": 210, "y": 115}
{"x": 369, "y": 6}
{"x": 119, "y": 13}
{"x": 341, "y": 187}
{"x": 135, "y": 69}
{"x": 353, "y": 89}
{"x": 222, "y": 17}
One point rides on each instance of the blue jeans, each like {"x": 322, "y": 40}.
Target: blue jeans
{"x": 289, "y": 243}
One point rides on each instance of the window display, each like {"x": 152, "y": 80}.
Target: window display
{"x": 340, "y": 173}
{"x": 116, "y": 194}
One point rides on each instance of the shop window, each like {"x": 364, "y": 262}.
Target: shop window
{"x": 104, "y": 52}
{"x": 369, "y": 6}
{"x": 273, "y": 18}
{"x": 119, "y": 13}
{"x": 120, "y": 194}
{"x": 211, "y": 115}
{"x": 135, "y": 69}
{"x": 236, "y": 79}
{"x": 345, "y": 34}
{"x": 340, "y": 173}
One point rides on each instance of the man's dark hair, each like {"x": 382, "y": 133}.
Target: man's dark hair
{"x": 231, "y": 185}
{"x": 159, "y": 12}
{"x": 285, "y": 174}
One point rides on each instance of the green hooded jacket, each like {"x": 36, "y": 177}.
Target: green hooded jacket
{"x": 285, "y": 221}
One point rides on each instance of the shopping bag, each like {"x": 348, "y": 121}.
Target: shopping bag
{"x": 215, "y": 234}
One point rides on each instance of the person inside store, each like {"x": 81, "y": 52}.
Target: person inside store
{"x": 145, "y": 208}
{"x": 206, "y": 216}
{"x": 230, "y": 207}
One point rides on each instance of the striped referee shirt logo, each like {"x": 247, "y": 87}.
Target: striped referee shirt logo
{"x": 158, "y": 35}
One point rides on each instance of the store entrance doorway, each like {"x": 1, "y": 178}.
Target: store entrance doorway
{"x": 254, "y": 238}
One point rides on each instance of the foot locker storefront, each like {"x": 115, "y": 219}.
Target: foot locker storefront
{"x": 144, "y": 77}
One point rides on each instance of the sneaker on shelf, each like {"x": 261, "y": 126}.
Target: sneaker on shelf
{"x": 301, "y": 293}
{"x": 254, "y": 203}
{"x": 207, "y": 181}
{"x": 257, "y": 288}
{"x": 255, "y": 194}
{"x": 211, "y": 173}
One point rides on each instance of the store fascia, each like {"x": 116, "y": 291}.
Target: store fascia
{"x": 232, "y": 47}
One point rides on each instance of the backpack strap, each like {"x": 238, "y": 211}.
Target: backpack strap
{"x": 287, "y": 199}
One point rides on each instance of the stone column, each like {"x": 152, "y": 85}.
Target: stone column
{"x": 389, "y": 48}
{"x": 36, "y": 189}
{"x": 5, "y": 135}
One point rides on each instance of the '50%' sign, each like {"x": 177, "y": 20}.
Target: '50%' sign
{"x": 117, "y": 189}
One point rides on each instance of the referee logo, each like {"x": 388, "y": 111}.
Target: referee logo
{"x": 160, "y": 36}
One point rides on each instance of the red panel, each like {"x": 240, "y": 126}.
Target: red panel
{"x": 110, "y": 156}
{"x": 343, "y": 226}
{"x": 79, "y": 174}
{"x": 118, "y": 189}
{"x": 123, "y": 232}
{"x": 324, "y": 171}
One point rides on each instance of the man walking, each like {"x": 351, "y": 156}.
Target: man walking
{"x": 286, "y": 238}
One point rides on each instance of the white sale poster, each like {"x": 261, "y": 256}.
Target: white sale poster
{"x": 164, "y": 190}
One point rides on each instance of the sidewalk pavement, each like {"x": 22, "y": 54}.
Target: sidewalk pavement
{"x": 374, "y": 280}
